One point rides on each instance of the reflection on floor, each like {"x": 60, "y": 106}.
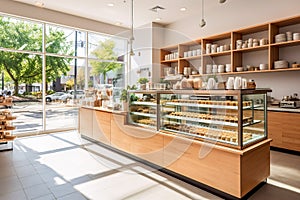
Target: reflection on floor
{"x": 63, "y": 166}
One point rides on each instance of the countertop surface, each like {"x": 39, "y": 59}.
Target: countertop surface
{"x": 104, "y": 109}
{"x": 270, "y": 108}
{"x": 278, "y": 109}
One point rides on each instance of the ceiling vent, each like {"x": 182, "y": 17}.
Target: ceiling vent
{"x": 157, "y": 8}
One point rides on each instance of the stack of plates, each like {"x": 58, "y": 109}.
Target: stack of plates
{"x": 281, "y": 64}
{"x": 289, "y": 36}
{"x": 280, "y": 38}
{"x": 296, "y": 36}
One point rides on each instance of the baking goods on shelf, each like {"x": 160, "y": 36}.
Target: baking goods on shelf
{"x": 281, "y": 64}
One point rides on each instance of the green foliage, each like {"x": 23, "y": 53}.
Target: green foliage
{"x": 27, "y": 68}
{"x": 143, "y": 80}
{"x": 50, "y": 92}
{"x": 70, "y": 84}
{"x": 124, "y": 92}
{"x": 105, "y": 51}
{"x": 38, "y": 95}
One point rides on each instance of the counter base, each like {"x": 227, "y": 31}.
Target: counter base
{"x": 177, "y": 175}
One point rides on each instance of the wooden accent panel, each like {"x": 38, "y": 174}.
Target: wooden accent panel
{"x": 213, "y": 167}
{"x": 86, "y": 122}
{"x": 255, "y": 167}
{"x": 140, "y": 142}
{"x": 284, "y": 130}
{"x": 101, "y": 126}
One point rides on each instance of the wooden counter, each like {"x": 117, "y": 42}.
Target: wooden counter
{"x": 232, "y": 171}
{"x": 284, "y": 130}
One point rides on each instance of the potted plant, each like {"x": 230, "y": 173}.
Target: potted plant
{"x": 142, "y": 81}
{"x": 124, "y": 96}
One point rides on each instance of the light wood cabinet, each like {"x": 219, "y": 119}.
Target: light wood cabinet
{"x": 253, "y": 55}
{"x": 95, "y": 124}
{"x": 284, "y": 130}
{"x": 232, "y": 171}
{"x": 86, "y": 122}
{"x": 140, "y": 142}
{"x": 101, "y": 126}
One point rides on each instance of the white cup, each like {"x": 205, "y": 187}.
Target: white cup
{"x": 221, "y": 68}
{"x": 208, "y": 48}
{"x": 221, "y": 48}
{"x": 228, "y": 68}
{"x": 208, "y": 69}
{"x": 238, "y": 83}
{"x": 211, "y": 84}
{"x": 195, "y": 52}
{"x": 230, "y": 83}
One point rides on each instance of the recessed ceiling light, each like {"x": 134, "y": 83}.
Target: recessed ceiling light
{"x": 111, "y": 4}
{"x": 157, "y": 18}
{"x": 39, "y": 4}
{"x": 183, "y": 9}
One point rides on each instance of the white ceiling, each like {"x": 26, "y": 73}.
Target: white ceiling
{"x": 120, "y": 12}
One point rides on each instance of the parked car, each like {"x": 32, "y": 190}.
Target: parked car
{"x": 70, "y": 95}
{"x": 55, "y": 96}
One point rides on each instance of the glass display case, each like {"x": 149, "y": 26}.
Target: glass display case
{"x": 235, "y": 118}
{"x": 143, "y": 108}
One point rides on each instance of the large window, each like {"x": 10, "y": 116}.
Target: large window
{"x": 73, "y": 60}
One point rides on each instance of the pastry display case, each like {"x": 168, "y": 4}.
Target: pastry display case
{"x": 143, "y": 108}
{"x": 235, "y": 118}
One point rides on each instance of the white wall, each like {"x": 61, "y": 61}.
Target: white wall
{"x": 142, "y": 60}
{"x": 146, "y": 46}
{"x": 234, "y": 15}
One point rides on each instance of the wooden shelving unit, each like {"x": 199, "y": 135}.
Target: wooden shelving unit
{"x": 253, "y": 56}
{"x": 6, "y": 126}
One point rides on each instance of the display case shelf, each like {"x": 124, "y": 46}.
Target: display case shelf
{"x": 210, "y": 106}
{"x": 144, "y": 114}
{"x": 213, "y": 122}
{"x": 143, "y": 103}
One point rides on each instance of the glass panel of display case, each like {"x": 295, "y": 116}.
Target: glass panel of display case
{"x": 212, "y": 118}
{"x": 255, "y": 113}
{"x": 142, "y": 109}
{"x": 215, "y": 118}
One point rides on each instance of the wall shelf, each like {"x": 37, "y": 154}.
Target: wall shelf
{"x": 267, "y": 54}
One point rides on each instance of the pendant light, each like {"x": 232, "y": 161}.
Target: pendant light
{"x": 202, "y": 23}
{"x": 131, "y": 34}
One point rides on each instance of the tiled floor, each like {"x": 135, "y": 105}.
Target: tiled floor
{"x": 59, "y": 166}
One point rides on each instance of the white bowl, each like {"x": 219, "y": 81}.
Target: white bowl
{"x": 263, "y": 66}
{"x": 239, "y": 69}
